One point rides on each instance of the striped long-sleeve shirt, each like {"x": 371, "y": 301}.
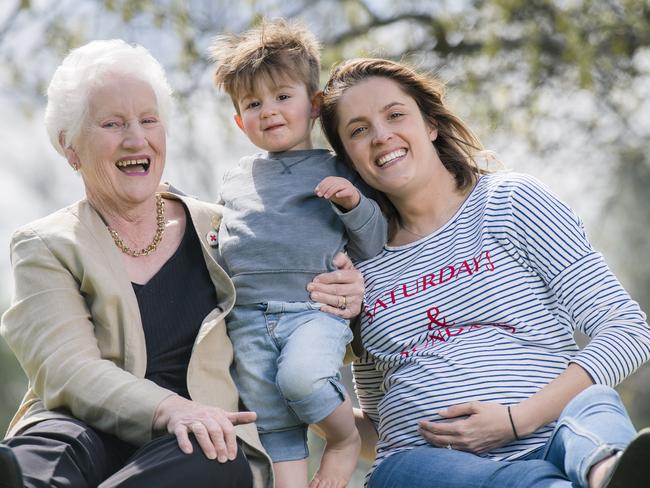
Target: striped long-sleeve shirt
{"x": 485, "y": 308}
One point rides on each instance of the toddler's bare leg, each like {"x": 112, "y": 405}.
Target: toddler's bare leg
{"x": 341, "y": 450}
{"x": 290, "y": 474}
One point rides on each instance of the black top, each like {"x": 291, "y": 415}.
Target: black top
{"x": 173, "y": 304}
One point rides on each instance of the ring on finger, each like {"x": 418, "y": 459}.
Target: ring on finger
{"x": 343, "y": 302}
{"x": 194, "y": 426}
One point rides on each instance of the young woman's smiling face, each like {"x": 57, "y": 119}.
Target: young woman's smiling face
{"x": 385, "y": 136}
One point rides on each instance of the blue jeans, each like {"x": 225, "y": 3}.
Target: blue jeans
{"x": 591, "y": 427}
{"x": 287, "y": 361}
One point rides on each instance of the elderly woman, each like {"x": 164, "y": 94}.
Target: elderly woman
{"x": 472, "y": 306}
{"x": 118, "y": 312}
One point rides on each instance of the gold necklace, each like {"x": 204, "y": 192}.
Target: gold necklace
{"x": 160, "y": 219}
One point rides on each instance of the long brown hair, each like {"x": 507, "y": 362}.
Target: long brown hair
{"x": 456, "y": 144}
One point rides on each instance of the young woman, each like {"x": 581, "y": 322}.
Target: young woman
{"x": 471, "y": 308}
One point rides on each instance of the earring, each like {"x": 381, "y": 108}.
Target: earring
{"x": 75, "y": 167}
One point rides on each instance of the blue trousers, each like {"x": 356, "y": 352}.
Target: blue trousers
{"x": 591, "y": 427}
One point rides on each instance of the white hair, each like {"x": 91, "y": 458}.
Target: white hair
{"x": 89, "y": 66}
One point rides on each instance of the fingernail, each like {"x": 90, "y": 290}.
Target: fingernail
{"x": 222, "y": 459}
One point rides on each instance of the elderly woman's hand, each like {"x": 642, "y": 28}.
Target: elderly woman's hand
{"x": 340, "y": 291}
{"x": 212, "y": 426}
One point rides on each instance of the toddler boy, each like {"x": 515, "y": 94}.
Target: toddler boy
{"x": 278, "y": 231}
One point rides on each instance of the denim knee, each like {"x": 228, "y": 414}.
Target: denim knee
{"x": 321, "y": 403}
{"x": 593, "y": 395}
{"x": 592, "y": 426}
{"x": 298, "y": 383}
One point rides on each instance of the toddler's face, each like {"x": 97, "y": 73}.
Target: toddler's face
{"x": 278, "y": 116}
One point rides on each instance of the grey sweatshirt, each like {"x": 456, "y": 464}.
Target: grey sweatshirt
{"x": 276, "y": 234}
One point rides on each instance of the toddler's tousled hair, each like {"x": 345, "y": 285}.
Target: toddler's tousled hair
{"x": 271, "y": 51}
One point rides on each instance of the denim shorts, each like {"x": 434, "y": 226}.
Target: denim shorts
{"x": 286, "y": 367}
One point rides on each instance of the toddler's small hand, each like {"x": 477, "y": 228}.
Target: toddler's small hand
{"x": 339, "y": 191}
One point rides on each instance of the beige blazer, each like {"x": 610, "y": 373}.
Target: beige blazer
{"x": 75, "y": 327}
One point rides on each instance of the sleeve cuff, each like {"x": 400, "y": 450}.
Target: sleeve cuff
{"x": 359, "y": 216}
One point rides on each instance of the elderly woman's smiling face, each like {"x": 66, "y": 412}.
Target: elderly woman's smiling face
{"x": 120, "y": 151}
